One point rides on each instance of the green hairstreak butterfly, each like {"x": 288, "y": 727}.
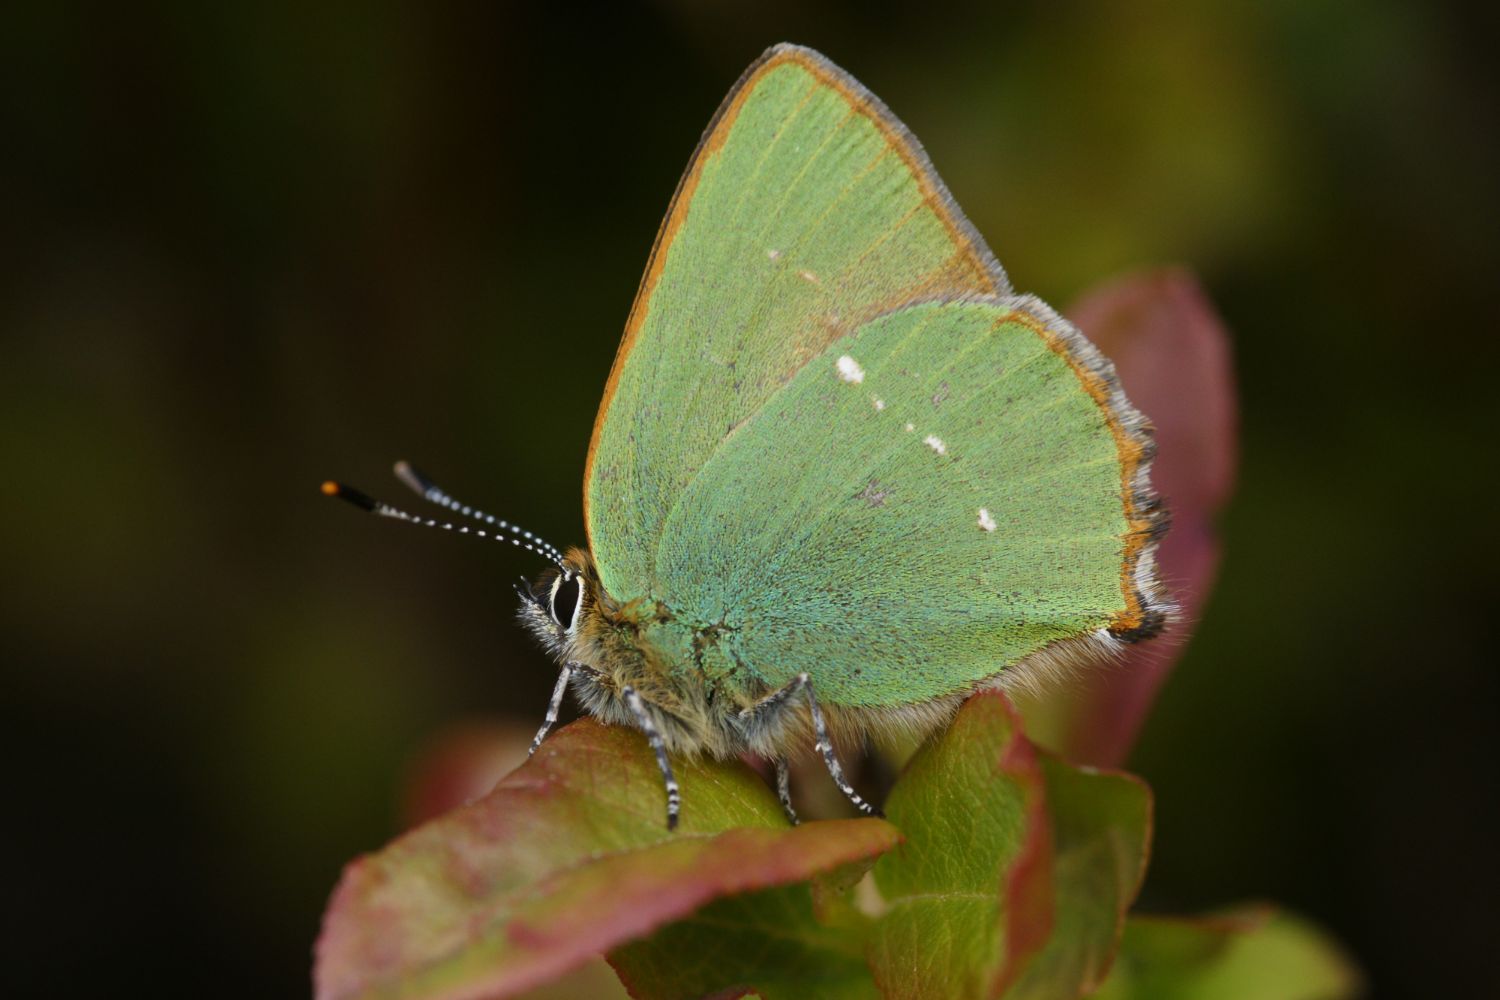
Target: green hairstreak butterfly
{"x": 842, "y": 476}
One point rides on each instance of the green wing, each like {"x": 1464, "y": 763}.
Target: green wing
{"x": 742, "y": 479}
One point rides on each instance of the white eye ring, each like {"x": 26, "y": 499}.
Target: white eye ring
{"x": 571, "y": 624}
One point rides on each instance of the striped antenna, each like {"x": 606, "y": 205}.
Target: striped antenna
{"x": 382, "y": 509}
{"x": 431, "y": 492}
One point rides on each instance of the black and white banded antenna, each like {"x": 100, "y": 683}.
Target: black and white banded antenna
{"x": 382, "y": 509}
{"x": 432, "y": 493}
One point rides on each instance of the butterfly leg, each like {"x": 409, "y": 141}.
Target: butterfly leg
{"x": 825, "y": 747}
{"x": 784, "y": 790}
{"x": 569, "y": 669}
{"x": 674, "y": 795}
{"x": 552, "y": 707}
{"x": 776, "y": 702}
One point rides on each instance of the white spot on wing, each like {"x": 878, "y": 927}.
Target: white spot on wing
{"x": 936, "y": 444}
{"x": 849, "y": 370}
{"x": 985, "y": 521}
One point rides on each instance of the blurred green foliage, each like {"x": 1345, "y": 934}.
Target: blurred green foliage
{"x": 247, "y": 248}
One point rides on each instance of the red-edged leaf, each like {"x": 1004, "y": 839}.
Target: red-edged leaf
{"x": 1173, "y": 356}
{"x": 968, "y": 893}
{"x": 1101, "y": 839}
{"x": 567, "y": 857}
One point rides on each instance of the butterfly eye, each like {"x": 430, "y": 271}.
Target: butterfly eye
{"x": 567, "y": 601}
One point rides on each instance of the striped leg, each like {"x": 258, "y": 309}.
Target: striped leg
{"x": 552, "y": 707}
{"x": 825, "y": 747}
{"x": 784, "y": 790}
{"x": 778, "y": 701}
{"x": 674, "y": 795}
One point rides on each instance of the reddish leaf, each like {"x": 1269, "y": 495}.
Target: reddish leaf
{"x": 567, "y": 857}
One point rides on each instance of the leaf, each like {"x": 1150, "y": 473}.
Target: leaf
{"x": 968, "y": 891}
{"x": 1101, "y": 838}
{"x": 771, "y": 944}
{"x": 1173, "y": 356}
{"x": 567, "y": 857}
{"x": 966, "y": 899}
{"x": 1251, "y": 954}
{"x": 594, "y": 979}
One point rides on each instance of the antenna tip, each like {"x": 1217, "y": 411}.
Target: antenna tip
{"x": 342, "y": 492}
{"x": 414, "y": 480}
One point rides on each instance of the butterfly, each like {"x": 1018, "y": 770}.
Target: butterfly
{"x": 842, "y": 476}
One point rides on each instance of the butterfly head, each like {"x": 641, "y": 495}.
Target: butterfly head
{"x": 561, "y": 605}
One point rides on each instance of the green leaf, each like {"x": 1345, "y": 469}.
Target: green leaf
{"x": 1101, "y": 836}
{"x": 968, "y": 892}
{"x": 594, "y": 979}
{"x": 773, "y": 944}
{"x": 567, "y": 857}
{"x": 1253, "y": 954}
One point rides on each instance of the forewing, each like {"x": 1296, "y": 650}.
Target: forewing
{"x": 807, "y": 210}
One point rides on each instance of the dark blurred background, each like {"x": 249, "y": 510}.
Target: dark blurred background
{"x": 246, "y": 250}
